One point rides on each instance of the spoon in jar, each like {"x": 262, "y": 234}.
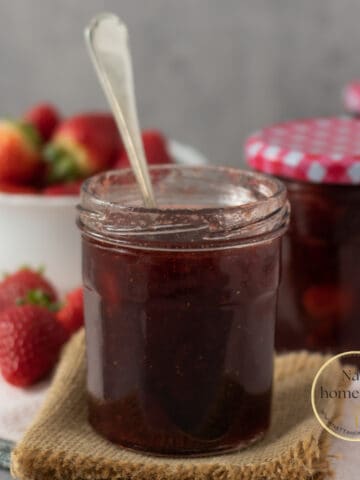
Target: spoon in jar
{"x": 107, "y": 41}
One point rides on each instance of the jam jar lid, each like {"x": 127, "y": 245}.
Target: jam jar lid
{"x": 351, "y": 96}
{"x": 317, "y": 150}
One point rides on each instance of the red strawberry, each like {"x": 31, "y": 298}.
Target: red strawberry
{"x": 7, "y": 187}
{"x": 71, "y": 315}
{"x": 324, "y": 302}
{"x": 45, "y": 118}
{"x": 81, "y": 146}
{"x": 155, "y": 147}
{"x": 30, "y": 342}
{"x": 68, "y": 188}
{"x": 20, "y": 156}
{"x": 16, "y": 287}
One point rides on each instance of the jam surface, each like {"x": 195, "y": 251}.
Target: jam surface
{"x": 180, "y": 345}
{"x": 319, "y": 302}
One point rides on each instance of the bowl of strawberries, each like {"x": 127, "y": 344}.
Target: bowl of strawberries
{"x": 44, "y": 159}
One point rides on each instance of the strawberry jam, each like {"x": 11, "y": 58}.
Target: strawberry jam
{"x": 319, "y": 304}
{"x": 180, "y": 307}
{"x": 319, "y": 299}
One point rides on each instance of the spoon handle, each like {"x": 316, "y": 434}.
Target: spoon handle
{"x": 107, "y": 41}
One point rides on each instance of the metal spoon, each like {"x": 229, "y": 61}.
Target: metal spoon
{"x": 107, "y": 41}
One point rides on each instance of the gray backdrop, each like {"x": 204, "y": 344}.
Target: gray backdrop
{"x": 208, "y": 72}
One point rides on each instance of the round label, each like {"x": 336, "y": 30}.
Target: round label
{"x": 335, "y": 396}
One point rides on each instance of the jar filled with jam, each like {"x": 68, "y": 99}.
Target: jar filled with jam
{"x": 319, "y": 160}
{"x": 180, "y": 305}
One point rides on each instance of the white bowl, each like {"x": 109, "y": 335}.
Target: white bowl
{"x": 41, "y": 231}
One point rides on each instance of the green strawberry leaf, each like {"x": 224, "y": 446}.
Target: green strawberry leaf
{"x": 30, "y": 133}
{"x": 40, "y": 298}
{"x": 62, "y": 164}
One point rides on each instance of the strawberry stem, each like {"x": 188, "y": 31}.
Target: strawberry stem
{"x": 62, "y": 164}
{"x": 40, "y": 298}
{"x": 30, "y": 133}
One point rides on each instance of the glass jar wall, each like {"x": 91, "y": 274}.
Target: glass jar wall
{"x": 180, "y": 305}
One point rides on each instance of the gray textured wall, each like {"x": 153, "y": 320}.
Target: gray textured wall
{"x": 208, "y": 72}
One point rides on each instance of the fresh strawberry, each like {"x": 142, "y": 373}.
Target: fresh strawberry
{"x": 71, "y": 315}
{"x": 30, "y": 342}
{"x": 15, "y": 287}
{"x": 67, "y": 188}
{"x": 325, "y": 302}
{"x": 20, "y": 152}
{"x": 45, "y": 118}
{"x": 81, "y": 146}
{"x": 7, "y": 187}
{"x": 155, "y": 147}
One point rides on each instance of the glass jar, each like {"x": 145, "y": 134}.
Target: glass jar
{"x": 180, "y": 307}
{"x": 319, "y": 299}
{"x": 319, "y": 306}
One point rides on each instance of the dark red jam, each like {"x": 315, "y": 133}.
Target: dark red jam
{"x": 180, "y": 306}
{"x": 180, "y": 345}
{"x": 319, "y": 302}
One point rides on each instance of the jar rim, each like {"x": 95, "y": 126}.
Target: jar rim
{"x": 118, "y": 221}
{"x": 280, "y": 188}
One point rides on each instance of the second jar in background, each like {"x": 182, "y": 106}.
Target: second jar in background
{"x": 319, "y": 300}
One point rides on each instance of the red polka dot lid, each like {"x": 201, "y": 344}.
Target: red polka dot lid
{"x": 318, "y": 150}
{"x": 351, "y": 95}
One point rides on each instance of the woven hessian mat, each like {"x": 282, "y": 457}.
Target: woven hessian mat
{"x": 61, "y": 445}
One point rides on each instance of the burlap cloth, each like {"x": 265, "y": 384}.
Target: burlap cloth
{"x": 61, "y": 445}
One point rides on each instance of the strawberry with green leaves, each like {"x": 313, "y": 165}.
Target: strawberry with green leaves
{"x": 20, "y": 152}
{"x": 44, "y": 117}
{"x": 30, "y": 342}
{"x": 30, "y": 335}
{"x": 71, "y": 314}
{"x": 155, "y": 147}
{"x": 81, "y": 146}
{"x": 24, "y": 283}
